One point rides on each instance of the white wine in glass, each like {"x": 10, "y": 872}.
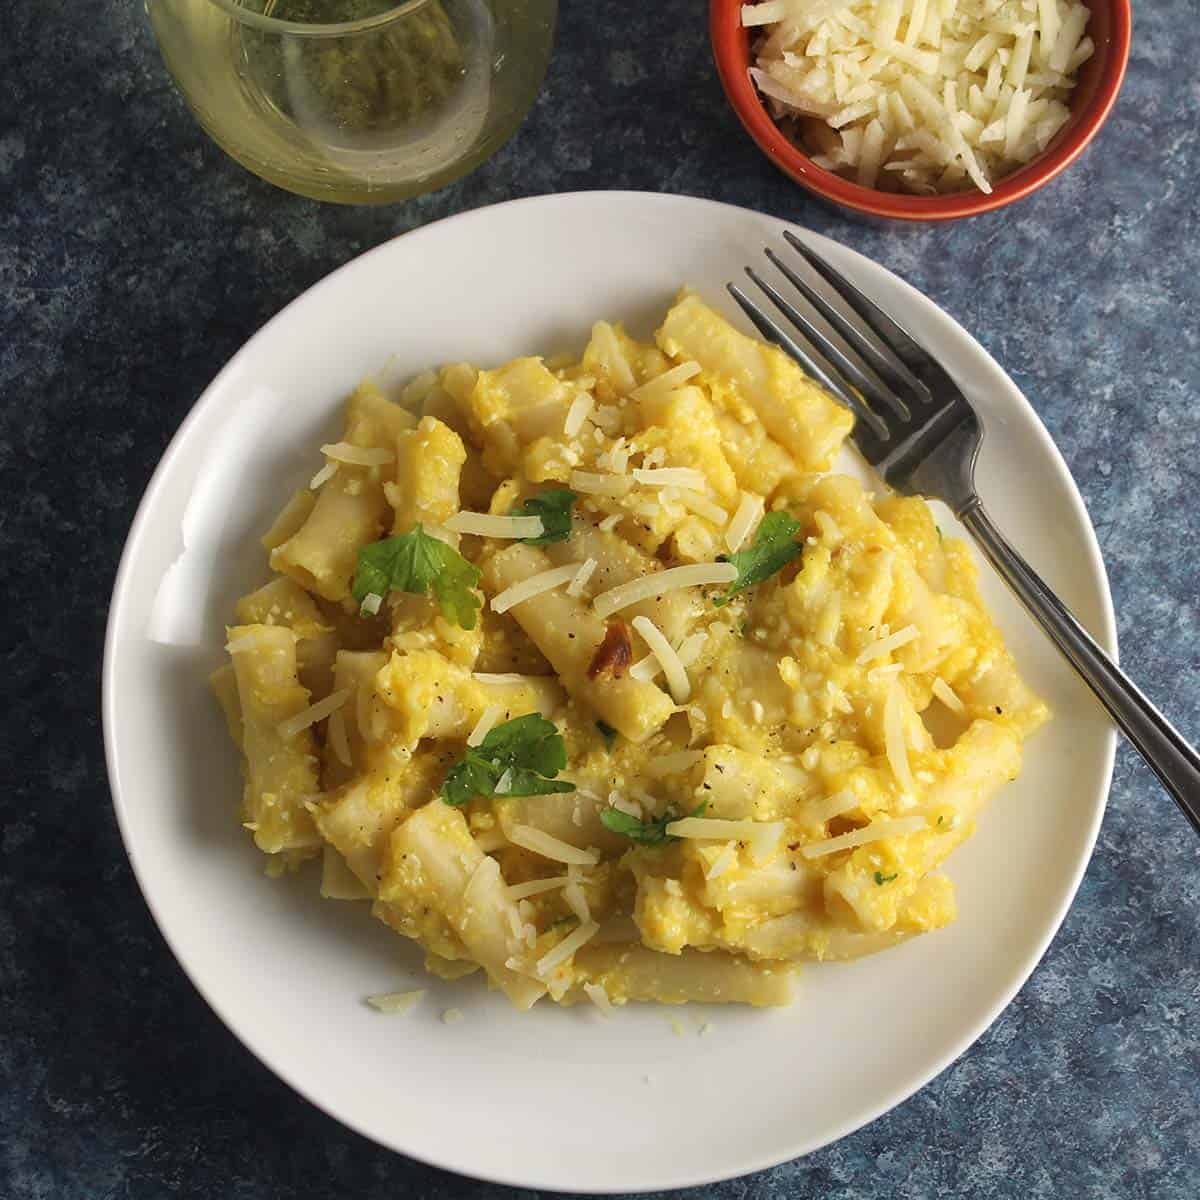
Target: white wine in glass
{"x": 357, "y": 101}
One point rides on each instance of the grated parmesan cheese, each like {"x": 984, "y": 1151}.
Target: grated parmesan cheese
{"x": 599, "y": 997}
{"x": 357, "y": 456}
{"x": 648, "y": 586}
{"x": 395, "y": 1002}
{"x": 496, "y": 526}
{"x": 677, "y": 679}
{"x": 908, "y": 94}
{"x": 875, "y": 832}
{"x": 566, "y": 948}
{"x": 761, "y": 836}
{"x": 313, "y": 714}
{"x": 885, "y": 645}
{"x": 578, "y": 412}
{"x": 669, "y": 764}
{"x": 535, "y": 887}
{"x": 372, "y": 602}
{"x": 535, "y": 585}
{"x": 485, "y": 724}
{"x": 323, "y": 476}
{"x": 682, "y": 477}
{"x": 893, "y": 739}
{"x": 702, "y": 506}
{"x": 551, "y": 847}
{"x": 749, "y": 513}
{"x": 580, "y": 579}
{"x": 593, "y": 484}
{"x": 948, "y": 696}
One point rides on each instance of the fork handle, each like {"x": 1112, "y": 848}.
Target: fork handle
{"x": 1175, "y": 762}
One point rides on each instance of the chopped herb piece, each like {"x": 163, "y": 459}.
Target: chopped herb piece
{"x": 608, "y": 733}
{"x": 774, "y": 546}
{"x": 417, "y": 562}
{"x": 645, "y": 833}
{"x": 554, "y": 507}
{"x": 519, "y": 758}
{"x": 881, "y": 879}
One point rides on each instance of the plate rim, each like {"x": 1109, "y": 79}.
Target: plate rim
{"x": 1106, "y": 635}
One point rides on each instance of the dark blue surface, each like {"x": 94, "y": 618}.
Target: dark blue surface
{"x": 135, "y": 258}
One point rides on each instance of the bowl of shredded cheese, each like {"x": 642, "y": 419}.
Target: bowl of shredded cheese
{"x": 921, "y": 109}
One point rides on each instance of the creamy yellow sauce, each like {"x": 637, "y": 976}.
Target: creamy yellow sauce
{"x": 835, "y": 732}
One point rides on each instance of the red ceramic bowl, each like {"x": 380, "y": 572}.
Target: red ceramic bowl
{"x": 1099, "y": 81}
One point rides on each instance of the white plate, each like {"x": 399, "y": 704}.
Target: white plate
{"x": 557, "y": 1099}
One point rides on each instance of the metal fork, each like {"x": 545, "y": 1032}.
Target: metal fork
{"x": 918, "y": 430}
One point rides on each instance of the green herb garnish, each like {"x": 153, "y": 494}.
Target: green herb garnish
{"x": 608, "y": 733}
{"x": 519, "y": 758}
{"x": 881, "y": 879}
{"x": 645, "y": 833}
{"x": 554, "y": 507}
{"x": 416, "y": 562}
{"x": 774, "y": 546}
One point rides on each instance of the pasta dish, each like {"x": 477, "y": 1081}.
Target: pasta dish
{"x": 590, "y": 675}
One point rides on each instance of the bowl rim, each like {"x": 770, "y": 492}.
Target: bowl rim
{"x": 724, "y": 31}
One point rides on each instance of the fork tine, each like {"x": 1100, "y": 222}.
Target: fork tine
{"x": 899, "y": 379}
{"x": 849, "y": 370}
{"x": 774, "y": 333}
{"x": 894, "y": 336}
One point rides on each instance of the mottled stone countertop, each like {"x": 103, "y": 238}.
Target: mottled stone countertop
{"x": 135, "y": 258}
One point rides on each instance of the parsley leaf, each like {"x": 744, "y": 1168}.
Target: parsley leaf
{"x": 608, "y": 733}
{"x": 417, "y": 562}
{"x": 645, "y": 833}
{"x": 519, "y": 758}
{"x": 881, "y": 879}
{"x": 774, "y": 546}
{"x": 554, "y": 507}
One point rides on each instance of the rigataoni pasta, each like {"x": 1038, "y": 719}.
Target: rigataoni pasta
{"x": 592, "y": 678}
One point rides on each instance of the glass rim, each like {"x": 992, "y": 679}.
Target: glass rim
{"x": 313, "y": 29}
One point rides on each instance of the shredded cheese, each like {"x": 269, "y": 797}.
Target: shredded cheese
{"x": 894, "y": 741}
{"x": 551, "y": 847}
{"x": 725, "y": 859}
{"x": 668, "y": 381}
{"x": 885, "y": 645}
{"x": 922, "y": 95}
{"x": 683, "y": 477}
{"x": 496, "y": 526}
{"x": 947, "y": 695}
{"x": 313, "y": 714}
{"x": 875, "y": 832}
{"x": 577, "y": 902}
{"x": 677, "y": 679}
{"x": 593, "y": 484}
{"x": 599, "y": 997}
{"x": 702, "y": 506}
{"x": 372, "y": 602}
{"x": 395, "y": 1002}
{"x": 357, "y": 456}
{"x": 818, "y": 812}
{"x": 660, "y": 582}
{"x": 535, "y": 585}
{"x": 323, "y": 476}
{"x": 578, "y": 412}
{"x": 535, "y": 887}
{"x": 749, "y": 513}
{"x": 566, "y": 948}
{"x": 670, "y": 764}
{"x": 338, "y": 741}
{"x": 580, "y": 579}
{"x": 507, "y": 680}
{"x": 485, "y": 724}
{"x": 761, "y": 836}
